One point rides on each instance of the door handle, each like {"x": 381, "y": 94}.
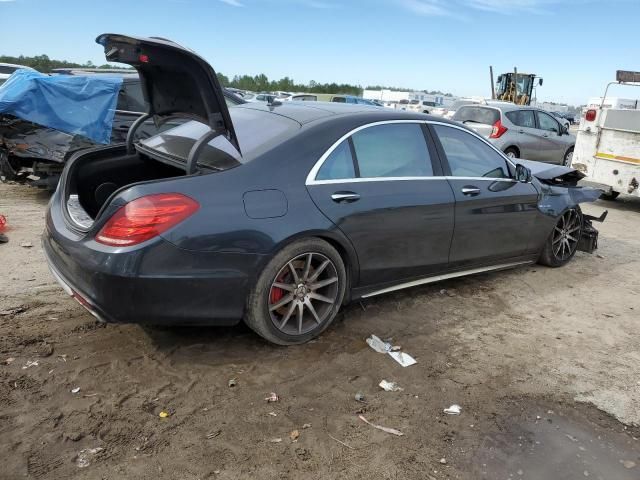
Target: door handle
{"x": 545, "y": 135}
{"x": 470, "y": 190}
{"x": 345, "y": 197}
{"x": 521, "y": 131}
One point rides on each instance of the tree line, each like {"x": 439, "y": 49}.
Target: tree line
{"x": 256, "y": 83}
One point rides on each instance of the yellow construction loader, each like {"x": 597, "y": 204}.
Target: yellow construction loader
{"x": 514, "y": 87}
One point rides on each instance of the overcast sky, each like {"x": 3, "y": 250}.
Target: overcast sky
{"x": 448, "y": 45}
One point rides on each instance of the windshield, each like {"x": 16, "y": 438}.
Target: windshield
{"x": 256, "y": 131}
{"x": 477, "y": 114}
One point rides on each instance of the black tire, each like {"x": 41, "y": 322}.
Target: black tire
{"x": 568, "y": 228}
{"x": 610, "y": 196}
{"x": 566, "y": 161}
{"x": 272, "y": 322}
{"x": 512, "y": 152}
{"x": 6, "y": 169}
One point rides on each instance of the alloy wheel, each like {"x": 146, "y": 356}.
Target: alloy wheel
{"x": 303, "y": 293}
{"x": 566, "y": 235}
{"x": 567, "y": 159}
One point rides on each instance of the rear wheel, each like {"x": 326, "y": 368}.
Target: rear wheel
{"x": 610, "y": 196}
{"x": 512, "y": 152}
{"x": 298, "y": 294}
{"x": 562, "y": 243}
{"x": 7, "y": 170}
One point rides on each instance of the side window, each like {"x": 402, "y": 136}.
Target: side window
{"x": 392, "y": 150}
{"x": 522, "y": 118}
{"x": 338, "y": 165}
{"x": 134, "y": 97}
{"x": 339, "y": 99}
{"x": 469, "y": 156}
{"x": 546, "y": 122}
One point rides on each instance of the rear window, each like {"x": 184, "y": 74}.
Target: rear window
{"x": 7, "y": 69}
{"x": 522, "y": 118}
{"x": 484, "y": 115}
{"x": 257, "y": 131}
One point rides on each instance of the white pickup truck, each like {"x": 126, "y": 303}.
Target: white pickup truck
{"x": 608, "y": 142}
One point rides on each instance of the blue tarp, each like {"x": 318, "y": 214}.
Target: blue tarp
{"x": 78, "y": 105}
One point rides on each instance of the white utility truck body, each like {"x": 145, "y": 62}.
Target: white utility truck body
{"x": 608, "y": 142}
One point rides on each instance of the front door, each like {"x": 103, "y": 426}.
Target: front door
{"x": 380, "y": 187}
{"x": 494, "y": 215}
{"x": 551, "y": 146}
{"x": 526, "y": 135}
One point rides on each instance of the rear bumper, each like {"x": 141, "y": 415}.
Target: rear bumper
{"x": 155, "y": 284}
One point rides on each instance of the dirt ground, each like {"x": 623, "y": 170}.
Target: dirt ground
{"x": 545, "y": 364}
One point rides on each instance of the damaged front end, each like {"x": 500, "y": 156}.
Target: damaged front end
{"x": 560, "y": 191}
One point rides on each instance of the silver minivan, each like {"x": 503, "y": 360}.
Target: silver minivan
{"x": 520, "y": 132}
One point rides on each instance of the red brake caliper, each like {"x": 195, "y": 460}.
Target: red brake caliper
{"x": 276, "y": 293}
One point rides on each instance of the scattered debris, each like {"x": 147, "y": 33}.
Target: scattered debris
{"x": 608, "y": 315}
{"x": 403, "y": 359}
{"x": 74, "y": 436}
{"x": 84, "y": 457}
{"x": 306, "y": 425}
{"x": 359, "y": 397}
{"x": 30, "y": 363}
{"x": 453, "y": 410}
{"x": 232, "y": 383}
{"x": 90, "y": 395}
{"x": 164, "y": 414}
{"x": 393, "y": 431}
{"x": 294, "y": 435}
{"x": 275, "y": 440}
{"x": 26, "y": 244}
{"x": 8, "y": 361}
{"x": 378, "y": 345}
{"x": 443, "y": 461}
{"x": 381, "y": 346}
{"x": 628, "y": 463}
{"x": 599, "y": 255}
{"x": 63, "y": 357}
{"x": 273, "y": 397}
{"x": 340, "y": 441}
{"x": 75, "y": 390}
{"x": 213, "y": 434}
{"x": 390, "y": 386}
{"x": 303, "y": 454}
{"x": 273, "y": 414}
{"x": 13, "y": 311}
{"x": 3, "y": 238}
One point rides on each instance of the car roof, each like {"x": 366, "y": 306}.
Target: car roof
{"x": 306, "y": 112}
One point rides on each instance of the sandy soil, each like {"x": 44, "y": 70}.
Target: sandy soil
{"x": 545, "y": 364}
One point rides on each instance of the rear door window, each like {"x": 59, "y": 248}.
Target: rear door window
{"x": 522, "y": 118}
{"x": 468, "y": 156}
{"x": 392, "y": 150}
{"x": 339, "y": 99}
{"x": 483, "y": 115}
{"x": 339, "y": 164}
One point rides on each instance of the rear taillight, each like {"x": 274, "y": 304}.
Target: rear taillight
{"x": 590, "y": 116}
{"x": 498, "y": 130}
{"x": 145, "y": 218}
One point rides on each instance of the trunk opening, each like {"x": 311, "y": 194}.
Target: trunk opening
{"x": 94, "y": 177}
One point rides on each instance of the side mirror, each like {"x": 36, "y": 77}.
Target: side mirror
{"x": 540, "y": 81}
{"x": 523, "y": 174}
{"x": 564, "y": 130}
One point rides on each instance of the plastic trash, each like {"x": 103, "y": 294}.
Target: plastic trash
{"x": 26, "y": 244}
{"x": 30, "y": 363}
{"x": 232, "y": 383}
{"x": 390, "y": 386}
{"x": 164, "y": 414}
{"x": 381, "y": 346}
{"x": 393, "y": 431}
{"x": 403, "y": 359}
{"x": 359, "y": 397}
{"x": 453, "y": 410}
{"x": 294, "y": 435}
{"x": 378, "y": 345}
{"x": 75, "y": 390}
{"x": 273, "y": 397}
{"x": 275, "y": 440}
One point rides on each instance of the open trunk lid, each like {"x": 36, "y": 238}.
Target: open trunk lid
{"x": 175, "y": 81}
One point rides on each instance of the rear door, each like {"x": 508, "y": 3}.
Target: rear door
{"x": 383, "y": 189}
{"x": 550, "y": 144}
{"x": 526, "y": 134}
{"x": 494, "y": 214}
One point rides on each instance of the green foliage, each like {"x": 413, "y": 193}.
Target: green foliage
{"x": 44, "y": 64}
{"x": 260, "y": 83}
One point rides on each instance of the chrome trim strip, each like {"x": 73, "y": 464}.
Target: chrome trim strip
{"x": 339, "y": 181}
{"x": 310, "y": 180}
{"x": 445, "y": 276}
{"x": 65, "y": 286}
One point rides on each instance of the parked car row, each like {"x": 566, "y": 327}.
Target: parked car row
{"x": 280, "y": 214}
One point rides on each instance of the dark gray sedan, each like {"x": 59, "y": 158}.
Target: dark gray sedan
{"x": 280, "y": 214}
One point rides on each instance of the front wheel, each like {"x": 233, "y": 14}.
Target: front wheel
{"x": 562, "y": 243}
{"x": 298, "y": 294}
{"x": 511, "y": 152}
{"x": 568, "y": 157}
